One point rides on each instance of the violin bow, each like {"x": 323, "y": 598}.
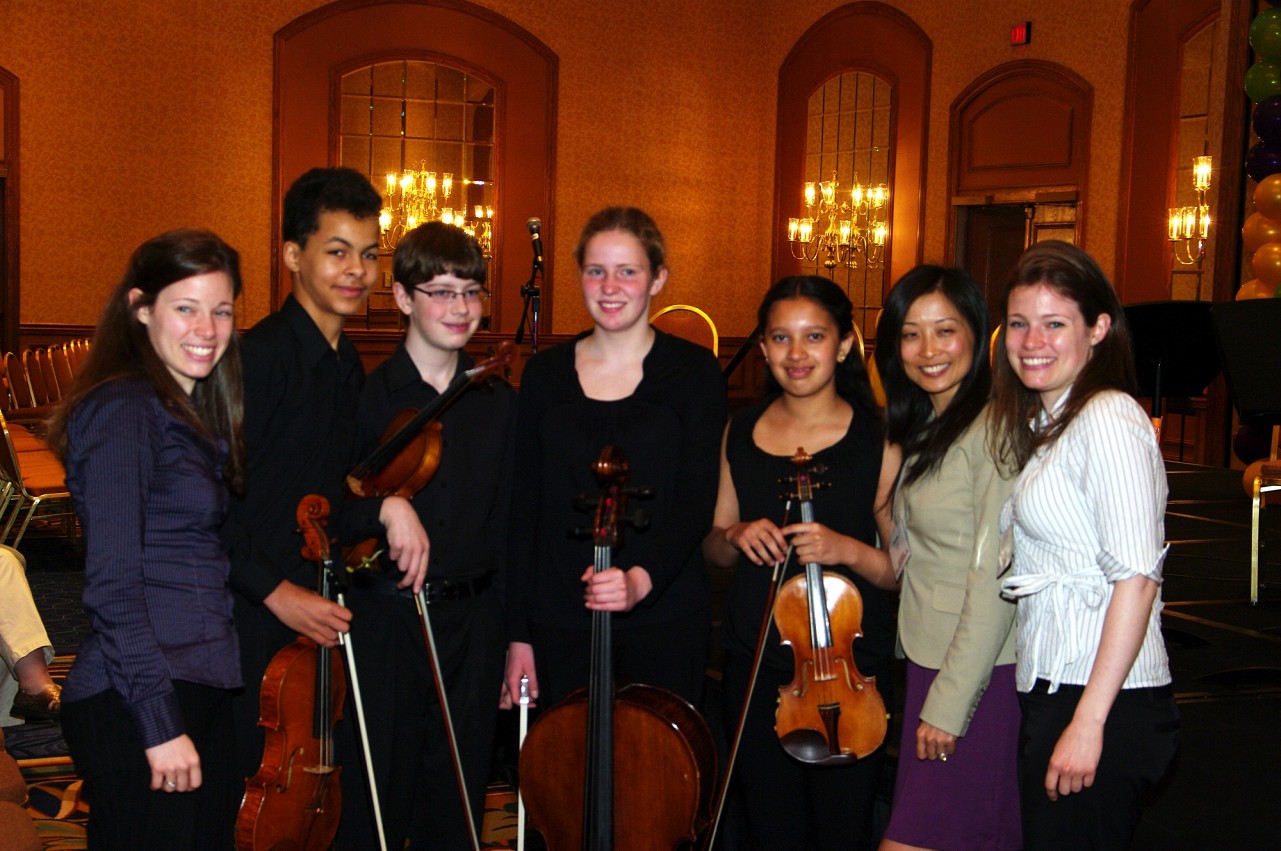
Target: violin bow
{"x": 524, "y": 730}
{"x": 315, "y": 508}
{"x": 430, "y": 639}
{"x": 775, "y": 579}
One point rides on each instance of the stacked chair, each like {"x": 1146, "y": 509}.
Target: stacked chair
{"x": 32, "y": 481}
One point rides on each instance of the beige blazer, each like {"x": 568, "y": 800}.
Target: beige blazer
{"x": 951, "y": 614}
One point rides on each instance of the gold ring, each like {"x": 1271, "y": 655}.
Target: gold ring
{"x": 943, "y": 757}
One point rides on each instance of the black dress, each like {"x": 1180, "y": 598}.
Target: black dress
{"x": 669, "y": 428}
{"x": 788, "y": 804}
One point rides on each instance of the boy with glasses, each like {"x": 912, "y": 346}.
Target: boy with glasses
{"x": 439, "y": 273}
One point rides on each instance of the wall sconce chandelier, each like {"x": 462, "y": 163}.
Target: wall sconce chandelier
{"x": 841, "y": 231}
{"x": 1189, "y": 225}
{"x": 414, "y": 197}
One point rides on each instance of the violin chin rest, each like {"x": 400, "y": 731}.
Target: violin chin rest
{"x": 811, "y": 748}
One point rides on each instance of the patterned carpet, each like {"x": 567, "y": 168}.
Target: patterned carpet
{"x": 60, "y": 814}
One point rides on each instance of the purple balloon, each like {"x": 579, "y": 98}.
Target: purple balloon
{"x": 1252, "y": 443}
{"x": 1263, "y": 160}
{"x": 1267, "y": 120}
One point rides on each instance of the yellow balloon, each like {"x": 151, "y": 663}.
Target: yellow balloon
{"x": 1249, "y": 474}
{"x": 1267, "y": 264}
{"x": 1267, "y": 196}
{"x": 1259, "y": 230}
{"x": 1254, "y": 288}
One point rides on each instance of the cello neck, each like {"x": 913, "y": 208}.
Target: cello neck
{"x": 598, "y": 786}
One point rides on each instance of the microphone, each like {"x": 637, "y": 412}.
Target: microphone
{"x": 535, "y": 226}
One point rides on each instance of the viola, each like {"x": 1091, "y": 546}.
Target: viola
{"x": 408, "y": 454}
{"x": 829, "y": 714}
{"x": 649, "y": 737}
{"x": 294, "y": 799}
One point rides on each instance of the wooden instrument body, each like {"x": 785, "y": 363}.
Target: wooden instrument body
{"x": 663, "y": 790}
{"x": 294, "y": 801}
{"x": 829, "y": 712}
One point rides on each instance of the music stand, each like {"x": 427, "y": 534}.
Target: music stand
{"x": 1174, "y": 352}
{"x": 1247, "y": 332}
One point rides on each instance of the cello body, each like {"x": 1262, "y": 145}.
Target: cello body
{"x": 662, "y": 747}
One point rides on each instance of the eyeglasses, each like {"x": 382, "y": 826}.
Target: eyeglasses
{"x": 471, "y": 295}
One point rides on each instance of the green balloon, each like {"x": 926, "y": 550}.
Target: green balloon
{"x": 1265, "y": 34}
{"x": 1263, "y": 81}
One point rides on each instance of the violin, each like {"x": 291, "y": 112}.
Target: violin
{"x": 408, "y": 454}
{"x": 830, "y": 714}
{"x": 575, "y": 751}
{"x": 294, "y": 799}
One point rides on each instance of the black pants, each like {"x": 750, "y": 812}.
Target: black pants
{"x": 123, "y": 810}
{"x": 787, "y": 804}
{"x": 414, "y": 768}
{"x": 671, "y": 655}
{"x": 1139, "y": 741}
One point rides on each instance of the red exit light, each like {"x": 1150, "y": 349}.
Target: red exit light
{"x": 1021, "y": 33}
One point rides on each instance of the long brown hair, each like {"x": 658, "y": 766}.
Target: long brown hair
{"x": 121, "y": 347}
{"x": 1074, "y": 275}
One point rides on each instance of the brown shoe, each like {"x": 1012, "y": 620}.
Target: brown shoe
{"x": 46, "y": 703}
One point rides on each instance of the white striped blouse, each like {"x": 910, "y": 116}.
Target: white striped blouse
{"x": 1087, "y": 511}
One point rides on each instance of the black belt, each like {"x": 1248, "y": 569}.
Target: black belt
{"x": 438, "y": 590}
{"x": 435, "y": 590}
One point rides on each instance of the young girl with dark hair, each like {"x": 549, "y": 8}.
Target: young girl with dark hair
{"x": 821, "y": 401}
{"x": 955, "y": 787}
{"x": 150, "y": 436}
{"x": 1086, "y": 523}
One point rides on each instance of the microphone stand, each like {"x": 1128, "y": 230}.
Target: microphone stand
{"x": 531, "y": 293}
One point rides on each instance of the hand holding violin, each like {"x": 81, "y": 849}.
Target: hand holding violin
{"x": 818, "y": 544}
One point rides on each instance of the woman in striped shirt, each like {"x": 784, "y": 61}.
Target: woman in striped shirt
{"x": 1086, "y": 526}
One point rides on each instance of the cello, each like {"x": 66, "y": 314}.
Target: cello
{"x": 294, "y": 800}
{"x": 648, "y": 735}
{"x": 830, "y": 714}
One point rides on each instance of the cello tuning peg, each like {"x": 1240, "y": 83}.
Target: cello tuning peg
{"x": 581, "y": 532}
{"x": 639, "y": 491}
{"x": 583, "y": 502}
{"x": 637, "y": 518}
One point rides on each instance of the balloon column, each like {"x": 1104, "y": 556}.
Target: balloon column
{"x": 1261, "y": 233}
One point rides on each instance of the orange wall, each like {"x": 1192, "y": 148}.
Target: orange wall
{"x": 144, "y": 115}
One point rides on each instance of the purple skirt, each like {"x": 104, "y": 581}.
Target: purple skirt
{"x": 970, "y": 802}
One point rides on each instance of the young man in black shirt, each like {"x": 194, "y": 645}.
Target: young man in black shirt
{"x": 440, "y": 288}
{"x": 302, "y": 382}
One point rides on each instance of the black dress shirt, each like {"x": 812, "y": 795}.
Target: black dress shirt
{"x": 464, "y": 506}
{"x": 300, "y": 431}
